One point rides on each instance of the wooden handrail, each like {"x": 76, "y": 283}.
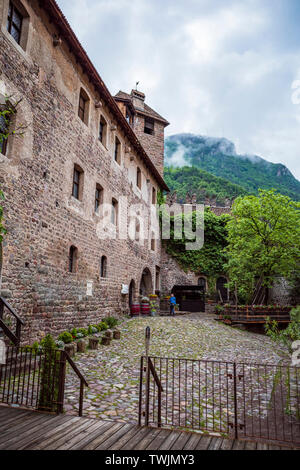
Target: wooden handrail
{"x": 9, "y": 307}
{"x": 76, "y": 370}
{"x": 9, "y": 333}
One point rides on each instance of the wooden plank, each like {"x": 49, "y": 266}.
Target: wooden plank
{"x": 64, "y": 434}
{"x": 47, "y": 434}
{"x": 192, "y": 442}
{"x": 204, "y": 443}
{"x": 147, "y": 439}
{"x": 20, "y": 428}
{"x": 226, "y": 444}
{"x": 113, "y": 427}
{"x": 115, "y": 437}
{"x": 74, "y": 435}
{"x": 215, "y": 444}
{"x": 123, "y": 440}
{"x": 160, "y": 438}
{"x": 9, "y": 419}
{"x": 181, "y": 441}
{"x": 102, "y": 426}
{"x": 167, "y": 444}
{"x": 27, "y": 436}
{"x": 238, "y": 445}
{"x": 131, "y": 443}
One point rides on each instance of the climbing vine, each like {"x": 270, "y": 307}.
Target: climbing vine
{"x": 211, "y": 259}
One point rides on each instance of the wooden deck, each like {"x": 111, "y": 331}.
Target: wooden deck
{"x": 28, "y": 430}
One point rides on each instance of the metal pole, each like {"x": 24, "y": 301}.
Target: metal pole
{"x": 235, "y": 402}
{"x": 147, "y": 347}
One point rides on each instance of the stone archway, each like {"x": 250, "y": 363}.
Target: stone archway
{"x": 146, "y": 285}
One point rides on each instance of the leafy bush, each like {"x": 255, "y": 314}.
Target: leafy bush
{"x": 290, "y": 334}
{"x": 49, "y": 389}
{"x": 66, "y": 337}
{"x": 74, "y": 333}
{"x": 92, "y": 329}
{"x": 82, "y": 331}
{"x": 102, "y": 326}
{"x": 59, "y": 344}
{"x": 111, "y": 321}
{"x": 219, "y": 309}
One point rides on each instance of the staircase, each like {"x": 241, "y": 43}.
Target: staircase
{"x": 6, "y": 330}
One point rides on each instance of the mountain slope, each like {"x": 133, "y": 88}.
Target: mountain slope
{"x": 192, "y": 180}
{"x": 219, "y": 157}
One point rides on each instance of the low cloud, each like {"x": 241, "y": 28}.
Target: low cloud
{"x": 210, "y": 69}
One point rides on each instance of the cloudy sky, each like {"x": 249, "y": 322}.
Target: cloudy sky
{"x": 224, "y": 68}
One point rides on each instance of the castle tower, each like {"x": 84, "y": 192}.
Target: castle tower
{"x": 148, "y": 125}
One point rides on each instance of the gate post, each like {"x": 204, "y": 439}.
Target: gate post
{"x": 141, "y": 390}
{"x": 235, "y": 402}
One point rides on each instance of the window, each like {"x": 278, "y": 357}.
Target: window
{"x": 83, "y": 108}
{"x": 202, "y": 282}
{"x": 77, "y": 182}
{"x": 129, "y": 117}
{"x": 157, "y": 278}
{"x": 137, "y": 230}
{"x": 102, "y": 131}
{"x": 149, "y": 126}
{"x": 98, "y": 197}
{"x": 154, "y": 199}
{"x": 73, "y": 259}
{"x": 103, "y": 267}
{"x": 117, "y": 151}
{"x": 3, "y": 129}
{"x": 114, "y": 212}
{"x": 139, "y": 178}
{"x": 14, "y": 22}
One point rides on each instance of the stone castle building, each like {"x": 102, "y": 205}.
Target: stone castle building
{"x": 82, "y": 152}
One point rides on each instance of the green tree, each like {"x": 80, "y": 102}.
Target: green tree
{"x": 263, "y": 240}
{"x": 211, "y": 259}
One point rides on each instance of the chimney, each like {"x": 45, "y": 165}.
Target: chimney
{"x": 138, "y": 99}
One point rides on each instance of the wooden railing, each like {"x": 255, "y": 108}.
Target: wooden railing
{"x": 83, "y": 382}
{"x": 15, "y": 338}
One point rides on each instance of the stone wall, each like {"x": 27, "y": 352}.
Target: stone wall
{"x": 42, "y": 218}
{"x": 172, "y": 274}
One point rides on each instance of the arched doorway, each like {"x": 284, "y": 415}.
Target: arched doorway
{"x": 132, "y": 292}
{"x": 146, "y": 286}
{"x": 202, "y": 283}
{"x": 222, "y": 290}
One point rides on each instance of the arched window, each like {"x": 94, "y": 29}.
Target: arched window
{"x": 202, "y": 282}
{"x": 83, "y": 107}
{"x": 73, "y": 255}
{"x": 103, "y": 267}
{"x": 138, "y": 178}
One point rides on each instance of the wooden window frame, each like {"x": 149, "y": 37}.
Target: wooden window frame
{"x": 12, "y": 11}
{"x": 103, "y": 131}
{"x": 77, "y": 183}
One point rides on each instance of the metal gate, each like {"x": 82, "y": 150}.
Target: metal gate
{"x": 237, "y": 400}
{"x": 35, "y": 378}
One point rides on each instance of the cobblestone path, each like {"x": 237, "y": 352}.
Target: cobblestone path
{"x": 113, "y": 371}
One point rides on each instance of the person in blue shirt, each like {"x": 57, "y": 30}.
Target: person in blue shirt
{"x": 172, "y": 304}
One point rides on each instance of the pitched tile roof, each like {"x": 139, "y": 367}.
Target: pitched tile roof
{"x": 147, "y": 111}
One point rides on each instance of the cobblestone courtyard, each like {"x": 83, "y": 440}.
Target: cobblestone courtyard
{"x": 113, "y": 371}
